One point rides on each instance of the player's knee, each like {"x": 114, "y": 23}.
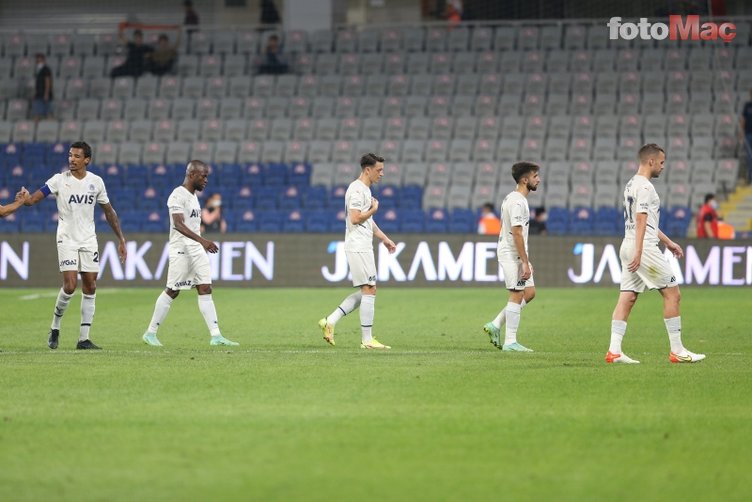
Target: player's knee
{"x": 368, "y": 290}
{"x": 529, "y": 295}
{"x": 69, "y": 286}
{"x": 204, "y": 289}
{"x": 172, "y": 293}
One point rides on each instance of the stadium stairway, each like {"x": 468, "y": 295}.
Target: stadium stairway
{"x": 737, "y": 209}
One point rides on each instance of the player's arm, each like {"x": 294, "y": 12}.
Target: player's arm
{"x": 519, "y": 245}
{"x": 641, "y": 225}
{"x": 380, "y": 235}
{"x": 37, "y": 196}
{"x": 178, "y": 222}
{"x": 675, "y": 248}
{"x": 357, "y": 216}
{"x": 114, "y": 222}
{"x": 19, "y": 201}
{"x": 706, "y": 223}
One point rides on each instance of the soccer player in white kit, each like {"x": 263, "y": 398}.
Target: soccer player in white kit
{"x": 643, "y": 265}
{"x": 359, "y": 231}
{"x": 189, "y": 264}
{"x": 76, "y": 192}
{"x": 512, "y": 253}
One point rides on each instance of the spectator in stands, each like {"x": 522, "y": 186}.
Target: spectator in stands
{"x": 489, "y": 223}
{"x": 211, "y": 216}
{"x": 191, "y": 17}
{"x": 9, "y": 209}
{"x": 41, "y": 106}
{"x": 163, "y": 58}
{"x": 272, "y": 62}
{"x": 135, "y": 61}
{"x": 454, "y": 12}
{"x": 707, "y": 218}
{"x": 538, "y": 222}
{"x": 746, "y": 131}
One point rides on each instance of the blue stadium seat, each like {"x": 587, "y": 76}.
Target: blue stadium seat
{"x": 9, "y": 224}
{"x": 300, "y": 175}
{"x": 294, "y": 222}
{"x": 462, "y": 221}
{"x": 388, "y": 196}
{"x": 410, "y": 197}
{"x": 558, "y": 221}
{"x": 252, "y": 174}
{"x": 266, "y": 198}
{"x": 290, "y": 198}
{"x": 275, "y": 175}
{"x": 337, "y": 196}
{"x": 270, "y": 221}
{"x": 608, "y": 221}
{"x": 318, "y": 221}
{"x": 314, "y": 197}
{"x": 245, "y": 221}
{"x": 437, "y": 221}
{"x": 581, "y": 222}
{"x": 388, "y": 220}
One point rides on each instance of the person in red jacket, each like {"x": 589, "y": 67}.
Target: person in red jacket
{"x": 707, "y": 219}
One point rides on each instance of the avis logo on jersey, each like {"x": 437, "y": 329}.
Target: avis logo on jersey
{"x": 81, "y": 199}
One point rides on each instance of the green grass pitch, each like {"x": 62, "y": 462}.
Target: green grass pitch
{"x": 442, "y": 416}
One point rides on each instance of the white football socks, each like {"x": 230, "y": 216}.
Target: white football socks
{"x": 502, "y": 317}
{"x": 513, "y": 322}
{"x": 618, "y": 329}
{"x": 61, "y": 304}
{"x": 673, "y": 327}
{"x": 367, "y": 307}
{"x": 87, "y": 315}
{"x": 348, "y": 305}
{"x": 161, "y": 308}
{"x": 206, "y": 306}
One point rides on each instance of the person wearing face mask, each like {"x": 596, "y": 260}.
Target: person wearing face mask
{"x": 211, "y": 216}
{"x": 41, "y": 106}
{"x": 707, "y": 218}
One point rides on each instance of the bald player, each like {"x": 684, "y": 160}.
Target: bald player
{"x": 189, "y": 263}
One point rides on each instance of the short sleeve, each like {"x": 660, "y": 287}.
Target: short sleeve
{"x": 357, "y": 201}
{"x": 54, "y": 183}
{"x": 642, "y": 199}
{"x": 519, "y": 214}
{"x": 175, "y": 203}
{"x": 102, "y": 197}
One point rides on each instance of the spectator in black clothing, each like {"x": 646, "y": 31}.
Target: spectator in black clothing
{"x": 272, "y": 61}
{"x": 269, "y": 12}
{"x": 191, "y": 17}
{"x": 135, "y": 61}
{"x": 746, "y": 130}
{"x": 211, "y": 216}
{"x": 538, "y": 223}
{"x": 41, "y": 106}
{"x": 163, "y": 58}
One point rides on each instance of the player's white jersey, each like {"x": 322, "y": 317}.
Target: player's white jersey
{"x": 515, "y": 212}
{"x": 358, "y": 238}
{"x": 640, "y": 197}
{"x": 75, "y": 208}
{"x": 181, "y": 201}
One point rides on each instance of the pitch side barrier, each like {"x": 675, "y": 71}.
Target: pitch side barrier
{"x": 285, "y": 260}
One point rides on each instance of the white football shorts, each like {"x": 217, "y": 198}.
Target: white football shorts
{"x": 362, "y": 268}
{"x": 654, "y": 272}
{"x": 78, "y": 260}
{"x": 188, "y": 268}
{"x": 512, "y": 269}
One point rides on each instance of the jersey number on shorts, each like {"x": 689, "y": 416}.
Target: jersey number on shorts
{"x": 96, "y": 256}
{"x": 628, "y": 209}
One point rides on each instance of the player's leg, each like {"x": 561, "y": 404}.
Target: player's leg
{"x": 89, "y": 266}
{"x": 363, "y": 270}
{"x": 619, "y": 318}
{"x": 519, "y": 289}
{"x": 161, "y": 309}
{"x": 632, "y": 284}
{"x": 202, "y": 279}
{"x": 672, "y": 320}
{"x": 68, "y": 262}
{"x": 327, "y": 324}
{"x": 493, "y": 328}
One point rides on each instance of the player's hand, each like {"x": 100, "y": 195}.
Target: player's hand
{"x": 676, "y": 249}
{"x": 210, "y": 246}
{"x": 390, "y": 245}
{"x": 633, "y": 265}
{"x": 374, "y": 204}
{"x": 22, "y": 194}
{"x": 122, "y": 252}
{"x": 527, "y": 272}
